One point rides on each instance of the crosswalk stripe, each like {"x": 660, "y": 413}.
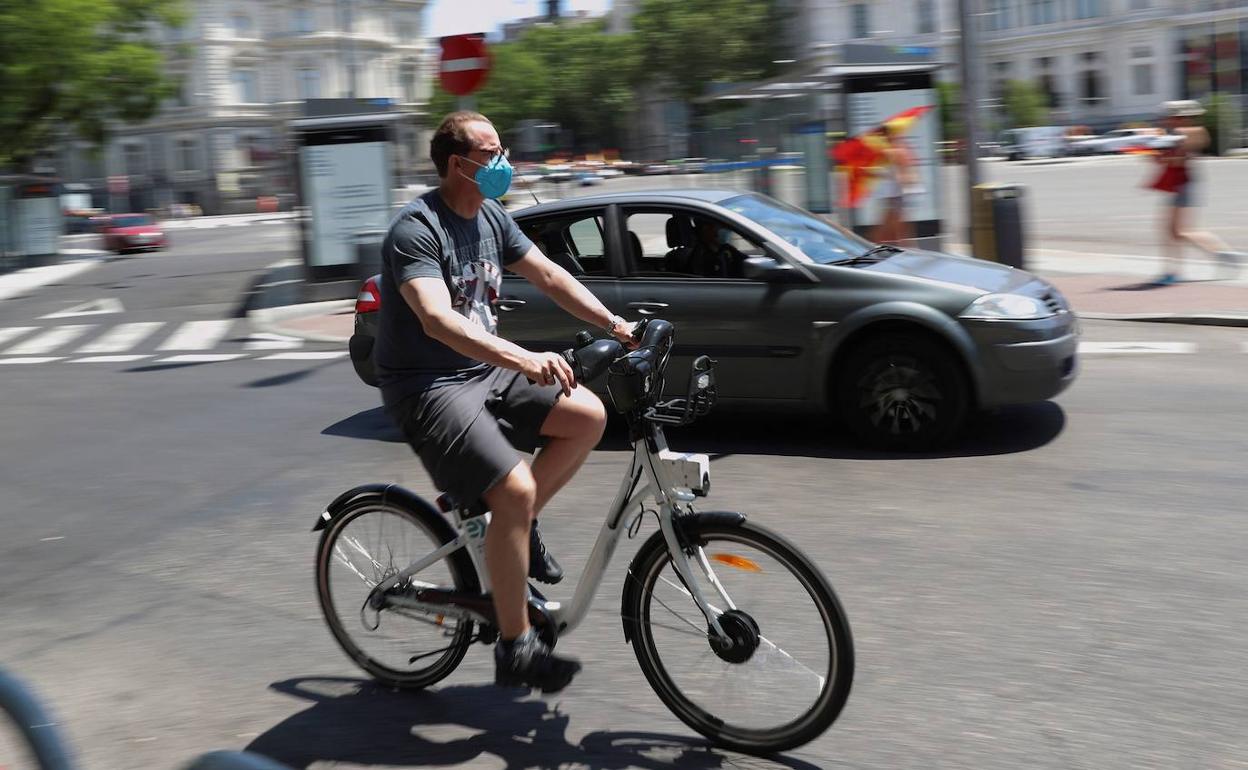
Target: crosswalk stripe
{"x": 13, "y": 332}
{"x": 199, "y": 358}
{"x": 49, "y": 340}
{"x": 198, "y": 335}
{"x": 123, "y": 359}
{"x": 30, "y": 360}
{"x": 122, "y": 337}
{"x": 267, "y": 341}
{"x": 305, "y": 355}
{"x": 1136, "y": 347}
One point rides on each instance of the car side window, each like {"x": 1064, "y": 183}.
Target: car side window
{"x": 575, "y": 243}
{"x": 681, "y": 244}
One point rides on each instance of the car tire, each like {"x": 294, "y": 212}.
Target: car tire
{"x": 360, "y": 347}
{"x": 904, "y": 392}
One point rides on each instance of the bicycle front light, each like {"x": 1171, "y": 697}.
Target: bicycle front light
{"x": 1005, "y": 307}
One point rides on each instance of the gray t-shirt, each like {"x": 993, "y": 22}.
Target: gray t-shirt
{"x": 428, "y": 239}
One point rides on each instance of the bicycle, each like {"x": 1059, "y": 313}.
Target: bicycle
{"x": 423, "y": 570}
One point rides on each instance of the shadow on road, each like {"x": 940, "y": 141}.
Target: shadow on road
{"x": 359, "y": 722}
{"x": 1005, "y": 431}
{"x": 372, "y": 424}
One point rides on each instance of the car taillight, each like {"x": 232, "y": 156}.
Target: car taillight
{"x": 369, "y": 300}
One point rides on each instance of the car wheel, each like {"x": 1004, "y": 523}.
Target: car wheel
{"x": 360, "y": 347}
{"x": 903, "y": 392}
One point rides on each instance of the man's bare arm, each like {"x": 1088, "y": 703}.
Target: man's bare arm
{"x": 560, "y": 285}
{"x": 430, "y": 300}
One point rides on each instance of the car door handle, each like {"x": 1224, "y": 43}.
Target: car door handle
{"x": 510, "y": 304}
{"x": 647, "y": 308}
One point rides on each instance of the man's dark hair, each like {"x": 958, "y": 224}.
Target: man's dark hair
{"x": 451, "y": 138}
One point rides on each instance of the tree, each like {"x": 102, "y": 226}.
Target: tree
{"x": 1219, "y": 111}
{"x": 78, "y": 64}
{"x": 1025, "y": 104}
{"x": 949, "y": 96}
{"x": 689, "y": 44}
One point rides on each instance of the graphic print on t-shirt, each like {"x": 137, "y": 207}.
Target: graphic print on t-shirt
{"x": 475, "y": 279}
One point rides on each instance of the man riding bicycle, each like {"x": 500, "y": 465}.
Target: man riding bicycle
{"x": 465, "y": 398}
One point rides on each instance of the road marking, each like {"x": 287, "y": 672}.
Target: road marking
{"x": 108, "y": 359}
{"x": 94, "y": 307}
{"x": 269, "y": 341}
{"x": 1136, "y": 347}
{"x": 51, "y": 539}
{"x": 23, "y": 281}
{"x": 122, "y": 337}
{"x": 14, "y": 331}
{"x": 30, "y": 360}
{"x": 50, "y": 340}
{"x": 198, "y": 335}
{"x": 318, "y": 355}
{"x": 199, "y": 358}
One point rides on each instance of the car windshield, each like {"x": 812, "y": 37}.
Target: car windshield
{"x": 821, "y": 241}
{"x": 132, "y": 220}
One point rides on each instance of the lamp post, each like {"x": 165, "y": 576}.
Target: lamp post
{"x": 970, "y": 103}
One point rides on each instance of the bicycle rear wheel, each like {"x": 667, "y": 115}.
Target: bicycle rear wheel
{"x": 369, "y": 542}
{"x": 786, "y": 675}
{"x": 29, "y": 739}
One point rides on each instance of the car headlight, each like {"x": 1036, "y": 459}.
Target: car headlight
{"x": 1013, "y": 307}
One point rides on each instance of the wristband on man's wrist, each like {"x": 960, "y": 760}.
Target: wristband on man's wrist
{"x": 613, "y": 322}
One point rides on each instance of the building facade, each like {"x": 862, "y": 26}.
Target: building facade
{"x": 1101, "y": 63}
{"x": 245, "y": 69}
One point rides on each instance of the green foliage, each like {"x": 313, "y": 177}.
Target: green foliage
{"x": 949, "y": 97}
{"x": 586, "y": 80}
{"x": 1219, "y": 111}
{"x": 78, "y": 64}
{"x": 1025, "y": 104}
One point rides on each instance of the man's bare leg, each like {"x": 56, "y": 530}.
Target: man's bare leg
{"x": 507, "y": 548}
{"x": 574, "y": 427}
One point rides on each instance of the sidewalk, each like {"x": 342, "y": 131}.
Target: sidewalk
{"x": 1098, "y": 286}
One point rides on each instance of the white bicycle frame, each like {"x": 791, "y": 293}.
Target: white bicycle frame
{"x": 649, "y": 476}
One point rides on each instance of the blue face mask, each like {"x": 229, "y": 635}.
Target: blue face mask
{"x": 494, "y": 178}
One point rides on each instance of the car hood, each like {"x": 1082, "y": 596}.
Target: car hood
{"x": 961, "y": 271}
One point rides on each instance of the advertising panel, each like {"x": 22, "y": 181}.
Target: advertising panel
{"x": 347, "y": 189}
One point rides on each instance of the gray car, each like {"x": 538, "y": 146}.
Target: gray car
{"x": 800, "y": 314}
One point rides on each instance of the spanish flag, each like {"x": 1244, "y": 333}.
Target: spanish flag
{"x": 860, "y": 156}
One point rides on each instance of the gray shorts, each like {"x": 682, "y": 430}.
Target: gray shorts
{"x": 467, "y": 434}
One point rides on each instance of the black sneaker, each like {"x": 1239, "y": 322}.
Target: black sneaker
{"x": 542, "y": 566}
{"x": 528, "y": 662}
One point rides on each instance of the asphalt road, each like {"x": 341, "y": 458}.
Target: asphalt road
{"x": 1063, "y": 588}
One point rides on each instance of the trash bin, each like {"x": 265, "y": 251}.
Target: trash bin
{"x": 368, "y": 252}
{"x": 997, "y": 224}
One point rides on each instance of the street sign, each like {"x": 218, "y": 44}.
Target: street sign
{"x": 464, "y": 63}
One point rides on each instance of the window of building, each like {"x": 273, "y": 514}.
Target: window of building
{"x": 1087, "y": 9}
{"x": 1142, "y": 71}
{"x": 406, "y": 32}
{"x": 302, "y": 21}
{"x": 1091, "y": 89}
{"x": 998, "y": 15}
{"x": 246, "y": 86}
{"x": 308, "y": 82}
{"x": 134, "y": 156}
{"x": 407, "y": 82}
{"x": 242, "y": 26}
{"x": 858, "y": 21}
{"x": 925, "y": 10}
{"x": 187, "y": 154}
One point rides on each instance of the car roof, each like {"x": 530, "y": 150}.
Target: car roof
{"x": 691, "y": 195}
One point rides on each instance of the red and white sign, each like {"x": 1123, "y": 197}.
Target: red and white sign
{"x": 464, "y": 63}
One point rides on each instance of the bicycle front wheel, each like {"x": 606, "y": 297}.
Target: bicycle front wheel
{"x": 785, "y": 675}
{"x": 28, "y": 735}
{"x": 368, "y": 543}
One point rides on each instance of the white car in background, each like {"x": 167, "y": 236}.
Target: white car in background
{"x": 1121, "y": 140}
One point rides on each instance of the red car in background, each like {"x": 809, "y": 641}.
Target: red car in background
{"x": 132, "y": 232}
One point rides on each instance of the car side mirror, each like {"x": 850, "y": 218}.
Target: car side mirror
{"x": 766, "y": 269}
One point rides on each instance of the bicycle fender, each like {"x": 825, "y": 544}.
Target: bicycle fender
{"x": 381, "y": 492}
{"x": 685, "y": 526}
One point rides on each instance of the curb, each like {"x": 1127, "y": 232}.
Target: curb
{"x": 271, "y": 319}
{"x": 1191, "y": 319}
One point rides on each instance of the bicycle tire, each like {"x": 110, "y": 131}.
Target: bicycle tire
{"x": 459, "y": 565}
{"x": 647, "y": 567}
{"x": 34, "y": 725}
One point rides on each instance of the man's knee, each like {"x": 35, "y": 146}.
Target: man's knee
{"x": 515, "y": 496}
{"x": 580, "y": 415}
